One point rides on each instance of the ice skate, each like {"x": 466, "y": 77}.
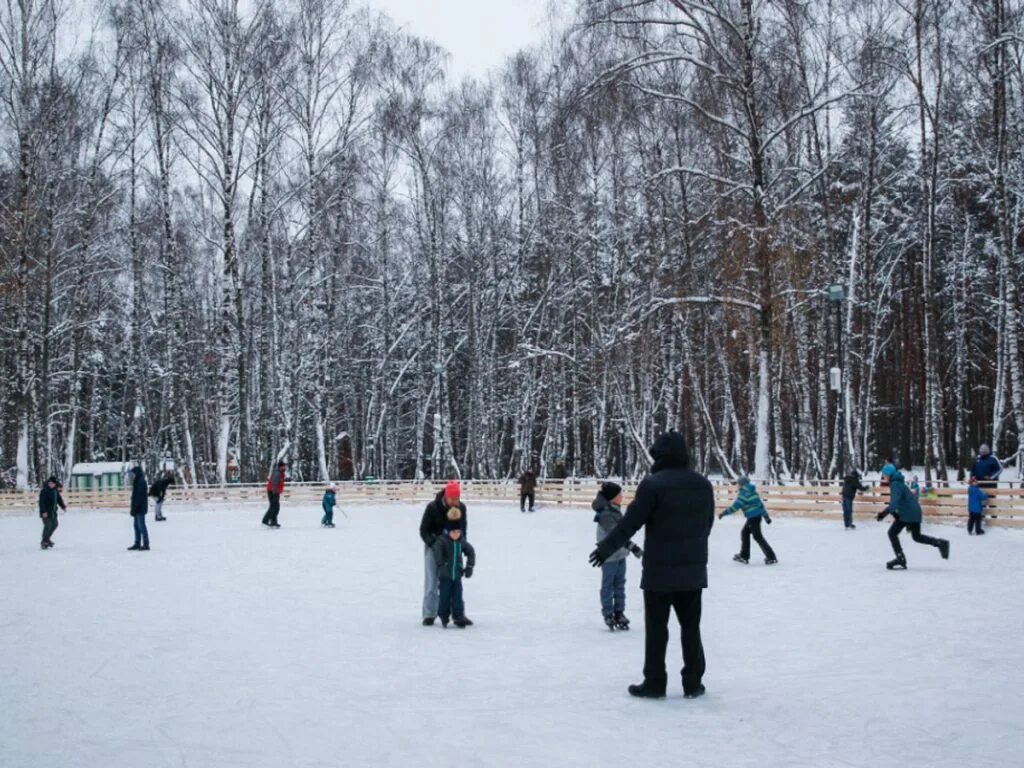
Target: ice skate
{"x": 609, "y": 621}
{"x": 898, "y": 563}
{"x": 621, "y": 622}
{"x": 696, "y": 693}
{"x": 771, "y": 561}
{"x": 741, "y": 559}
{"x": 944, "y": 548}
{"x": 646, "y": 691}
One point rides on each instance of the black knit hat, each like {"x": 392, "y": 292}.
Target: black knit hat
{"x": 610, "y": 490}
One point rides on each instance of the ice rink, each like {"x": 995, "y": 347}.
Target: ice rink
{"x": 232, "y": 646}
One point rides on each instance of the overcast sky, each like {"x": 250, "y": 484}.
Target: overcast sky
{"x": 479, "y": 34}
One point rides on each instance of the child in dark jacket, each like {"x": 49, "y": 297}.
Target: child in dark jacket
{"x": 449, "y": 549}
{"x": 976, "y": 499}
{"x": 607, "y": 514}
{"x": 328, "y": 502}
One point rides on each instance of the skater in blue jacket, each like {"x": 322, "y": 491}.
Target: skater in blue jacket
{"x": 753, "y": 509}
{"x": 328, "y": 502}
{"x": 904, "y": 506}
{"x": 976, "y": 499}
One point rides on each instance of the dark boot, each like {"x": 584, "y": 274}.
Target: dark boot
{"x": 898, "y": 563}
{"x": 609, "y": 621}
{"x": 144, "y": 548}
{"x": 134, "y": 548}
{"x": 741, "y": 559}
{"x": 461, "y": 622}
{"x": 646, "y": 691}
{"x": 770, "y": 561}
{"x": 944, "y": 548}
{"x": 621, "y": 622}
{"x": 428, "y": 622}
{"x": 696, "y": 693}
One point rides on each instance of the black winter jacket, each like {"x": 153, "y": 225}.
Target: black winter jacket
{"x": 140, "y": 504}
{"x": 158, "y": 490}
{"x": 435, "y": 519}
{"x": 49, "y": 499}
{"x": 676, "y": 507}
{"x": 449, "y": 554}
{"x": 852, "y": 484}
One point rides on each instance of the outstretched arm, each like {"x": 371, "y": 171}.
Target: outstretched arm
{"x": 637, "y": 515}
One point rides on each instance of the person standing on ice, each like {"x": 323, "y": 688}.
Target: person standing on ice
{"x": 986, "y": 468}
{"x": 139, "y": 508}
{"x": 158, "y": 491}
{"x": 432, "y": 526}
{"x": 753, "y": 509}
{"x": 907, "y": 511}
{"x": 976, "y": 499}
{"x": 275, "y": 487}
{"x": 328, "y": 502}
{"x": 608, "y": 514}
{"x": 49, "y": 501}
{"x": 851, "y": 486}
{"x": 527, "y": 489}
{"x": 676, "y": 508}
{"x": 449, "y": 548}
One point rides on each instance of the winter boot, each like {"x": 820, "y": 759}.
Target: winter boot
{"x": 647, "y": 691}
{"x": 144, "y": 548}
{"x": 609, "y": 621}
{"x": 134, "y": 548}
{"x": 696, "y": 693}
{"x": 770, "y": 561}
{"x": 159, "y": 518}
{"x": 621, "y": 622}
{"x": 741, "y": 559}
{"x": 944, "y": 548}
{"x": 428, "y": 622}
{"x": 461, "y": 622}
{"x": 981, "y": 532}
{"x": 466, "y": 621}
{"x": 444, "y": 622}
{"x": 851, "y": 527}
{"x": 44, "y": 545}
{"x": 898, "y": 563}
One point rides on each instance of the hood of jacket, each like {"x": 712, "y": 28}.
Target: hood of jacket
{"x": 670, "y": 452}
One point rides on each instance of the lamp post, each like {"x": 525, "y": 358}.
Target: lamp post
{"x": 837, "y": 295}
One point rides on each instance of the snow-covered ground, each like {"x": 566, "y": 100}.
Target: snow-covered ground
{"x": 229, "y": 645}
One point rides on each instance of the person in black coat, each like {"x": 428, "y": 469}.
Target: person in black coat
{"x": 433, "y": 525}
{"x": 139, "y": 508}
{"x": 49, "y": 501}
{"x": 676, "y": 506}
{"x": 158, "y": 491}
{"x": 851, "y": 486}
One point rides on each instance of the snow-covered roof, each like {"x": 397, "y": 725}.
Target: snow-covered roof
{"x": 98, "y": 468}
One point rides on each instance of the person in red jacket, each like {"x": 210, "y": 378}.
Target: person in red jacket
{"x": 275, "y": 487}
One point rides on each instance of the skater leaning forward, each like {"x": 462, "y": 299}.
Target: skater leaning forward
{"x": 608, "y": 514}
{"x": 432, "y": 526}
{"x": 676, "y": 507}
{"x": 754, "y": 511}
{"x": 158, "y": 491}
{"x": 904, "y": 506}
{"x": 449, "y": 549}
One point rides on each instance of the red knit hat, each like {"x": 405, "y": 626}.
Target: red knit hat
{"x": 452, "y": 490}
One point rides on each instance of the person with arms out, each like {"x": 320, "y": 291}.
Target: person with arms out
{"x": 433, "y": 525}
{"x": 275, "y": 487}
{"x": 449, "y": 549}
{"x": 676, "y": 508}
{"x": 608, "y": 514}
{"x": 851, "y": 486}
{"x": 753, "y": 509}
{"x": 907, "y": 510}
{"x": 49, "y": 501}
{"x": 139, "y": 508}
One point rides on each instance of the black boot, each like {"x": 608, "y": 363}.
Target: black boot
{"x": 621, "y": 622}
{"x": 770, "y": 561}
{"x": 609, "y": 621}
{"x": 696, "y": 693}
{"x": 646, "y": 691}
{"x": 898, "y": 563}
{"x": 144, "y": 548}
{"x": 741, "y": 559}
{"x": 944, "y": 548}
{"x": 428, "y": 622}
{"x": 461, "y": 622}
{"x": 134, "y": 548}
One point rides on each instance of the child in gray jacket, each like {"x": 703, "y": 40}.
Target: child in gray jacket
{"x": 607, "y": 514}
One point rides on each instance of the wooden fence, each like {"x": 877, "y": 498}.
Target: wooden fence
{"x": 814, "y": 499}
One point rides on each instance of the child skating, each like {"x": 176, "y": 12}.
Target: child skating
{"x": 449, "y": 550}
{"x": 753, "y": 509}
{"x": 904, "y": 506}
{"x": 976, "y": 499}
{"x": 328, "y": 502}
{"x": 607, "y": 514}
{"x": 49, "y": 500}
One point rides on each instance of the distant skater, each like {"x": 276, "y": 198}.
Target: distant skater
{"x": 753, "y": 509}
{"x": 158, "y": 491}
{"x": 275, "y": 487}
{"x": 139, "y": 508}
{"x": 851, "y": 486}
{"x": 527, "y": 489}
{"x": 49, "y": 500}
{"x": 328, "y": 502}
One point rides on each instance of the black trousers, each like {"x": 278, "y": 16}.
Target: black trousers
{"x": 753, "y": 528}
{"x": 49, "y": 526}
{"x": 275, "y": 507}
{"x": 915, "y": 533}
{"x": 657, "y": 607}
{"x": 522, "y": 500}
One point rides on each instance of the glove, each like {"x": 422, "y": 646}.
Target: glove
{"x": 881, "y": 516}
{"x": 468, "y": 573}
{"x": 596, "y": 558}
{"x": 721, "y": 515}
{"x": 767, "y": 519}
{"x": 637, "y": 552}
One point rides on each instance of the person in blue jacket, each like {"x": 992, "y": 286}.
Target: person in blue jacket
{"x": 987, "y": 467}
{"x": 976, "y": 499}
{"x": 753, "y": 509}
{"x": 904, "y": 506}
{"x": 328, "y": 502}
